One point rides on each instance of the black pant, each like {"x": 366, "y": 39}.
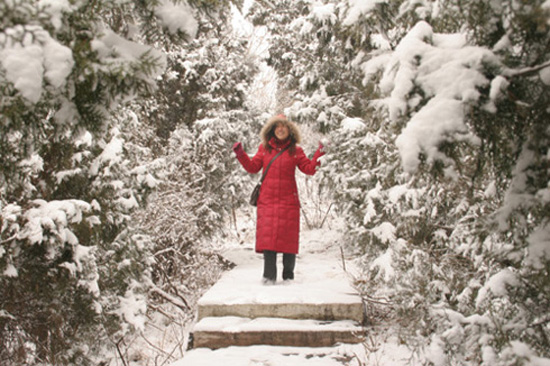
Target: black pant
{"x": 270, "y": 265}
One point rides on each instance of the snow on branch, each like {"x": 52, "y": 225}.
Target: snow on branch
{"x": 54, "y": 217}
{"x": 30, "y": 57}
{"x": 177, "y": 17}
{"x": 430, "y": 79}
{"x": 357, "y": 8}
{"x": 526, "y": 70}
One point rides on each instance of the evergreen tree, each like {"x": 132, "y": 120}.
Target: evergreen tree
{"x": 461, "y": 243}
{"x": 74, "y": 271}
{"x": 317, "y": 84}
{"x": 200, "y": 109}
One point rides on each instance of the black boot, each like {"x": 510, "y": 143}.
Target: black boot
{"x": 289, "y": 262}
{"x": 270, "y": 267}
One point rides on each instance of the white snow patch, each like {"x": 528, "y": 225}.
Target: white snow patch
{"x": 56, "y": 8}
{"x": 497, "y": 285}
{"x": 385, "y": 264}
{"x": 385, "y": 232}
{"x": 357, "y": 8}
{"x": 24, "y": 69}
{"x": 85, "y": 139}
{"x": 491, "y": 190}
{"x": 435, "y": 352}
{"x": 449, "y": 72}
{"x": 323, "y": 13}
{"x": 316, "y": 267}
{"x": 314, "y": 279}
{"x": 36, "y": 59}
{"x": 503, "y": 44}
{"x": 113, "y": 49}
{"x": 370, "y": 212}
{"x": 34, "y": 164}
{"x": 177, "y": 17}
{"x": 53, "y": 217}
{"x": 427, "y": 129}
{"x": 352, "y": 124}
{"x": 232, "y": 324}
{"x": 518, "y": 349}
{"x": 133, "y": 308}
{"x": 128, "y": 203}
{"x": 498, "y": 86}
{"x": 10, "y": 271}
{"x": 111, "y": 154}
{"x": 539, "y": 247}
{"x": 271, "y": 356}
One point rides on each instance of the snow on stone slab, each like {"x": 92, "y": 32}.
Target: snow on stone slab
{"x": 319, "y": 279}
{"x": 232, "y": 324}
{"x": 383, "y": 348}
{"x": 273, "y": 356}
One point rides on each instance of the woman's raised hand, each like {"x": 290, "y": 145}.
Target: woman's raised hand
{"x": 324, "y": 144}
{"x": 320, "y": 151}
{"x": 238, "y": 149}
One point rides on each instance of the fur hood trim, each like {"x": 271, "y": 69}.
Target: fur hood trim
{"x": 268, "y": 131}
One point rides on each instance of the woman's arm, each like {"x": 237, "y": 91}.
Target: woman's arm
{"x": 307, "y": 166}
{"x": 250, "y": 165}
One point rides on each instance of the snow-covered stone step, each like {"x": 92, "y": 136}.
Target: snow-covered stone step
{"x": 220, "y": 332}
{"x": 272, "y": 356}
{"x": 324, "y": 311}
{"x": 321, "y": 290}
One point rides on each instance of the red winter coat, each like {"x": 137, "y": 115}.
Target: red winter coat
{"x": 278, "y": 213}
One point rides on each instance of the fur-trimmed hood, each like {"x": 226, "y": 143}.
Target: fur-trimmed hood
{"x": 268, "y": 131}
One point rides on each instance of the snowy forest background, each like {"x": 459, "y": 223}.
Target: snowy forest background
{"x": 117, "y": 121}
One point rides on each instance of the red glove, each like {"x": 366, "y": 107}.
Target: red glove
{"x": 320, "y": 152}
{"x": 238, "y": 149}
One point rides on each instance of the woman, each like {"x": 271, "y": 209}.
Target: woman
{"x": 278, "y": 215}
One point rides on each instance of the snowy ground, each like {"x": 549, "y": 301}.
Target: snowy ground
{"x": 274, "y": 356}
{"x": 385, "y": 354}
{"x": 319, "y": 268}
{"x": 319, "y": 278}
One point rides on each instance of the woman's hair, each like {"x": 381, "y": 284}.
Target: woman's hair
{"x": 268, "y": 132}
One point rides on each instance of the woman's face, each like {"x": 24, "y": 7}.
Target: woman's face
{"x": 281, "y": 132}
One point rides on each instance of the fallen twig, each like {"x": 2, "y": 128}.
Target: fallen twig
{"x": 182, "y": 304}
{"x": 326, "y": 215}
{"x": 343, "y": 259}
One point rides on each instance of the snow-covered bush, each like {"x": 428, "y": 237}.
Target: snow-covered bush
{"x": 465, "y": 277}
{"x": 74, "y": 271}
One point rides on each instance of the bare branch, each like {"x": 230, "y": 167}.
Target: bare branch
{"x": 511, "y": 73}
{"x": 182, "y": 304}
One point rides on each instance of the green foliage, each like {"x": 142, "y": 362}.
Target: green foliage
{"x": 482, "y": 231}
{"x": 208, "y": 75}
{"x": 74, "y": 271}
{"x": 197, "y": 113}
{"x": 199, "y": 110}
